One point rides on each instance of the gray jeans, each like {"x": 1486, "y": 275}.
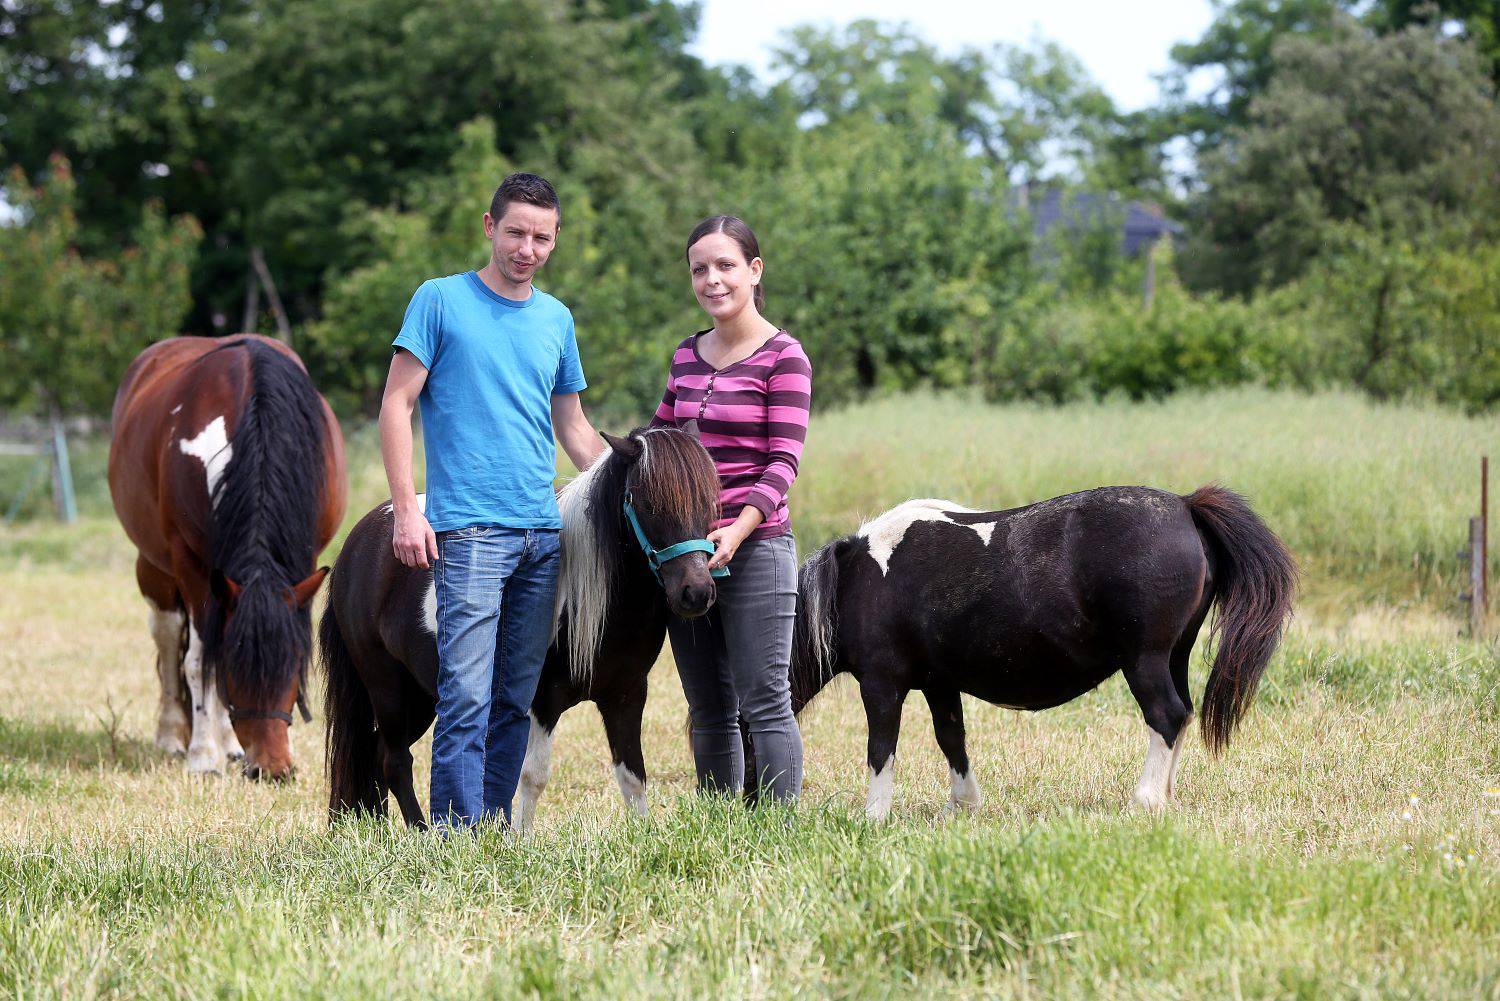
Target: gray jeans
{"x": 734, "y": 663}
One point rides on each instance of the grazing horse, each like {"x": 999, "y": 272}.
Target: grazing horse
{"x": 1032, "y": 607}
{"x": 227, "y": 472}
{"x": 378, "y": 639}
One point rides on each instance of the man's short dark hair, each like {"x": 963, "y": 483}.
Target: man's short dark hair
{"x": 523, "y": 187}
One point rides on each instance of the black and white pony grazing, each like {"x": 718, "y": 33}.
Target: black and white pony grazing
{"x": 378, "y": 635}
{"x": 1032, "y": 607}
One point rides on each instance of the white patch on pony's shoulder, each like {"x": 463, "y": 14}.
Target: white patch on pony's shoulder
{"x": 389, "y": 507}
{"x": 886, "y": 531}
{"x": 429, "y": 608}
{"x": 176, "y": 409}
{"x": 210, "y": 447}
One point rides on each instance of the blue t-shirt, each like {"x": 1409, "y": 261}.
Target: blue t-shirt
{"x": 493, "y": 365}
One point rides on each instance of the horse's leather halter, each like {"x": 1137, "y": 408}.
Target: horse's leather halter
{"x": 656, "y": 557}
{"x": 235, "y": 712}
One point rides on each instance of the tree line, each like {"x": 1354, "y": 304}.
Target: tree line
{"x": 1335, "y": 185}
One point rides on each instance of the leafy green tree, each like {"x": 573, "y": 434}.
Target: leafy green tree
{"x": 1026, "y": 107}
{"x": 1476, "y": 20}
{"x": 891, "y": 252}
{"x": 1235, "y": 57}
{"x": 1399, "y": 132}
{"x": 70, "y": 322}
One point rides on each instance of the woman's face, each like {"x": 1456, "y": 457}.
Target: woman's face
{"x": 723, "y": 280}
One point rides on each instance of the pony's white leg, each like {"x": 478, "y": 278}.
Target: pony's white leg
{"x": 632, "y": 787}
{"x": 172, "y": 728}
{"x": 1151, "y": 790}
{"x": 882, "y": 790}
{"x": 535, "y": 770}
{"x": 964, "y": 793}
{"x": 203, "y": 751}
{"x": 228, "y": 741}
{"x": 1176, "y": 752}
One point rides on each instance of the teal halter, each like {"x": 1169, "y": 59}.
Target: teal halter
{"x": 656, "y": 557}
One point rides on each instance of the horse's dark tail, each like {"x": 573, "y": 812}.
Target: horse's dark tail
{"x": 354, "y": 782}
{"x": 1255, "y": 579}
{"x": 815, "y": 637}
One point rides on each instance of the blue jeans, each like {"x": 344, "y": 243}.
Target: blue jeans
{"x": 734, "y": 663}
{"x": 496, "y": 588}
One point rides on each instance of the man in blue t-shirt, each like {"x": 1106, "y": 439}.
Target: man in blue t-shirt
{"x": 494, "y": 364}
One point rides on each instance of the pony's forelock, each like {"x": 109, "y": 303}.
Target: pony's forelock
{"x": 672, "y": 477}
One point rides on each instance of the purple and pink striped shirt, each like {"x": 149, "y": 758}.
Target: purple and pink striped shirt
{"x": 752, "y": 419}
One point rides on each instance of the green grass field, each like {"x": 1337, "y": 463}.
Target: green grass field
{"x": 1346, "y": 846}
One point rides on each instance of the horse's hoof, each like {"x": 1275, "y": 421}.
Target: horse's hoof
{"x": 237, "y": 754}
{"x": 201, "y": 762}
{"x": 1148, "y": 804}
{"x": 171, "y": 745}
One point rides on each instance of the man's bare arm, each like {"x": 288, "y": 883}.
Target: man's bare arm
{"x": 412, "y": 538}
{"x": 574, "y": 432}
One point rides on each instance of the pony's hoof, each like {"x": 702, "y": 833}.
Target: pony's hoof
{"x": 203, "y": 762}
{"x": 171, "y": 744}
{"x": 1153, "y": 805}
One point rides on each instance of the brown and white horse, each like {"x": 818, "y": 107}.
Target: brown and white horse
{"x": 227, "y": 472}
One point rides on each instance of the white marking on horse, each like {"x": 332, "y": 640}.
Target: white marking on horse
{"x": 388, "y": 507}
{"x": 1176, "y": 753}
{"x": 535, "y": 770}
{"x": 882, "y": 790}
{"x": 632, "y": 787}
{"x": 1151, "y": 790}
{"x": 172, "y": 728}
{"x": 886, "y": 532}
{"x": 175, "y": 410}
{"x": 429, "y": 608}
{"x": 965, "y": 791}
{"x": 211, "y": 447}
{"x": 204, "y": 755}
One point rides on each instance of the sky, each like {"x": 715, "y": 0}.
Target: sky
{"x": 1121, "y": 44}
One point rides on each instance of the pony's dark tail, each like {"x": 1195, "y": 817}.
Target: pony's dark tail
{"x": 815, "y": 636}
{"x": 354, "y": 782}
{"x": 1255, "y": 580}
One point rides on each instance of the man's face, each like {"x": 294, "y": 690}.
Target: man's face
{"x": 521, "y": 240}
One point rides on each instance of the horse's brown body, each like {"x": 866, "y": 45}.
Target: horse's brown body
{"x": 176, "y": 418}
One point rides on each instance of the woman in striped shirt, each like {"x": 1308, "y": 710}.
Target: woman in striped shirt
{"x": 746, "y": 386}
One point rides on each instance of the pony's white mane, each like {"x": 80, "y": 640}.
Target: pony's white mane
{"x": 585, "y": 577}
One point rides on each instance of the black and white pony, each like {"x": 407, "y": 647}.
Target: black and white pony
{"x": 378, "y": 641}
{"x": 1032, "y": 607}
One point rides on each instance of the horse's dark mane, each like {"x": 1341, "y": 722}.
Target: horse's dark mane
{"x": 263, "y": 529}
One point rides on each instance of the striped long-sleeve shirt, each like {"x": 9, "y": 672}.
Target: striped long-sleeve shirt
{"x": 752, "y": 419}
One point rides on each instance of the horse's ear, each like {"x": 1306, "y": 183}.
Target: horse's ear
{"x": 304, "y": 589}
{"x": 690, "y": 428}
{"x": 630, "y": 448}
{"x": 224, "y": 590}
